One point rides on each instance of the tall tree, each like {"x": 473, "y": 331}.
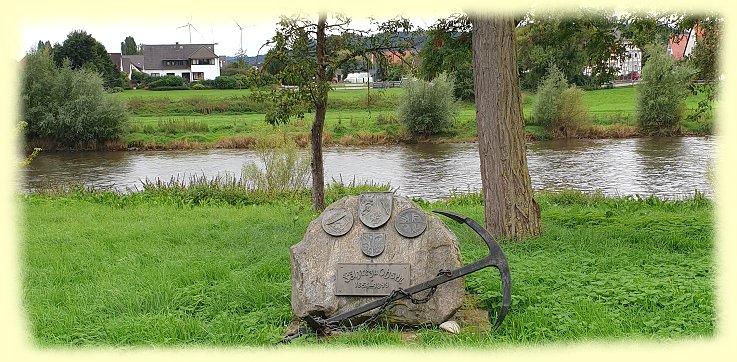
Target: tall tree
{"x": 572, "y": 41}
{"x": 129, "y": 47}
{"x": 509, "y": 206}
{"x": 83, "y": 50}
{"x": 308, "y": 57}
{"x": 449, "y": 50}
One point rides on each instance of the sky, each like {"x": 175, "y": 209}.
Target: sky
{"x": 222, "y": 31}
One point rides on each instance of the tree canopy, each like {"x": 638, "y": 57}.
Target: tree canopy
{"x": 308, "y": 54}
{"x": 129, "y": 47}
{"x": 83, "y": 51}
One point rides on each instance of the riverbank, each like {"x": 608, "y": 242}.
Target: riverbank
{"x": 232, "y": 119}
{"x": 196, "y": 267}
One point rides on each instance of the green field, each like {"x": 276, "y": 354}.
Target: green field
{"x": 212, "y": 269}
{"x": 232, "y": 119}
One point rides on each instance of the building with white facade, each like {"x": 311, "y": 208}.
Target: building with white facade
{"x": 189, "y": 61}
{"x": 360, "y": 77}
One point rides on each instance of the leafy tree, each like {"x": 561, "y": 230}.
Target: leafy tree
{"x": 509, "y": 206}
{"x": 308, "y": 56}
{"x": 83, "y": 51}
{"x": 661, "y": 97}
{"x": 571, "y": 41}
{"x": 67, "y": 105}
{"x": 705, "y": 57}
{"x": 449, "y": 50}
{"x": 43, "y": 44}
{"x": 129, "y": 47}
{"x": 646, "y": 28}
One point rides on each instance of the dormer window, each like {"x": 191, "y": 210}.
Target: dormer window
{"x": 203, "y": 61}
{"x": 175, "y": 62}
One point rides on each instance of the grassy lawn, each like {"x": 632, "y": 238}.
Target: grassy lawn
{"x": 231, "y": 119}
{"x": 163, "y": 269}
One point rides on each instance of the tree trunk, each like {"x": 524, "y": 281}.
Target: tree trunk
{"x": 321, "y": 101}
{"x": 509, "y": 207}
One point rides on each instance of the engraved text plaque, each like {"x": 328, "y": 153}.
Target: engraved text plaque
{"x": 370, "y": 279}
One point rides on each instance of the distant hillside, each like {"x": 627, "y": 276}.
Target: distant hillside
{"x": 250, "y": 60}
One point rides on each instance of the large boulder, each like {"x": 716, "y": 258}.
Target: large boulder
{"x": 321, "y": 260}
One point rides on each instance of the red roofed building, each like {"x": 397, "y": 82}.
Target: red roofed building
{"x": 681, "y": 45}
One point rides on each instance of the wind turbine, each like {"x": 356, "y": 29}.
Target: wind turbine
{"x": 241, "y": 30}
{"x": 189, "y": 24}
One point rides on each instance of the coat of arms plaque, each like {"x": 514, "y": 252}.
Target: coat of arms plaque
{"x": 375, "y": 208}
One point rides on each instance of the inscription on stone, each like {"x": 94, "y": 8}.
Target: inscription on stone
{"x": 375, "y": 208}
{"x": 410, "y": 223}
{"x": 372, "y": 244}
{"x": 337, "y": 221}
{"x": 371, "y": 279}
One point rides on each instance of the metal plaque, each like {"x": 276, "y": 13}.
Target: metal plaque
{"x": 410, "y": 223}
{"x": 337, "y": 221}
{"x": 370, "y": 279}
{"x": 372, "y": 244}
{"x": 375, "y": 208}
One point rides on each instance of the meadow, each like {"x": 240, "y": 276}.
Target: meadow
{"x": 210, "y": 267}
{"x": 233, "y": 119}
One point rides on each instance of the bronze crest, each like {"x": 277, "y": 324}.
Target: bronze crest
{"x": 375, "y": 208}
{"x": 337, "y": 221}
{"x": 410, "y": 223}
{"x": 372, "y": 244}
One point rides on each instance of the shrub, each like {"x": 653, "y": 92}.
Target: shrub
{"x": 427, "y": 108}
{"x": 198, "y": 86}
{"x": 168, "y": 81}
{"x": 559, "y": 108}
{"x": 572, "y": 113}
{"x": 66, "y": 105}
{"x": 545, "y": 109}
{"x": 282, "y": 167}
{"x": 661, "y": 96}
{"x": 238, "y": 81}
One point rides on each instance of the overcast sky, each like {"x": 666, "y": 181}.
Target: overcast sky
{"x": 224, "y": 32}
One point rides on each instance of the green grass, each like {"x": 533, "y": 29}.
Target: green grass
{"x": 352, "y": 118}
{"x": 183, "y": 267}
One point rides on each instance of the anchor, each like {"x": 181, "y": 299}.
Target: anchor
{"x": 495, "y": 258}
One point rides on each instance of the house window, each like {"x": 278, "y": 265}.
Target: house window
{"x": 203, "y": 61}
{"x": 175, "y": 62}
{"x": 198, "y": 75}
{"x": 169, "y": 73}
{"x": 154, "y": 74}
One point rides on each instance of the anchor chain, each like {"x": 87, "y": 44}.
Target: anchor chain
{"x": 336, "y": 326}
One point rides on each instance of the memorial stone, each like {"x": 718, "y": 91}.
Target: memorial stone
{"x": 341, "y": 264}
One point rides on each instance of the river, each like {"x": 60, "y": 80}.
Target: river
{"x": 664, "y": 167}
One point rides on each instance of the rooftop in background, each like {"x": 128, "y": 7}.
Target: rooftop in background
{"x": 154, "y": 54}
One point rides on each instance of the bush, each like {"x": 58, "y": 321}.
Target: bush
{"x": 661, "y": 96}
{"x": 427, "y": 108}
{"x": 238, "y": 81}
{"x": 572, "y": 114}
{"x": 282, "y": 167}
{"x": 545, "y": 109}
{"x": 66, "y": 105}
{"x": 168, "y": 81}
{"x": 198, "y": 86}
{"x": 559, "y": 109}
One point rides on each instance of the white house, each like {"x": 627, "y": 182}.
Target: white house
{"x": 630, "y": 63}
{"x": 361, "y": 77}
{"x": 189, "y": 61}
